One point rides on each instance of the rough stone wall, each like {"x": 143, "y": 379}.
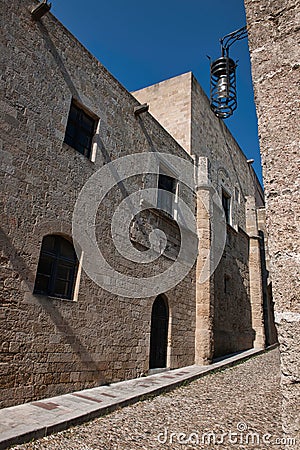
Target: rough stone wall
{"x": 51, "y": 346}
{"x": 182, "y": 107}
{"x": 274, "y": 48}
{"x": 170, "y": 103}
{"x": 232, "y": 322}
{"x": 229, "y": 170}
{"x": 269, "y": 317}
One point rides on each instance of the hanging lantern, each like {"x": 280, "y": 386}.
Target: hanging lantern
{"x": 223, "y": 98}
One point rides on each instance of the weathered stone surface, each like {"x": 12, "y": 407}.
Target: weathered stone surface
{"x": 274, "y": 48}
{"x": 51, "y": 346}
{"x": 48, "y": 345}
{"x": 230, "y": 304}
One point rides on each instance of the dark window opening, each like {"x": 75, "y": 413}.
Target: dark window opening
{"x": 159, "y": 333}
{"x": 57, "y": 268}
{"x": 165, "y": 201}
{"x": 80, "y": 130}
{"x": 226, "y": 284}
{"x": 226, "y": 201}
{"x": 167, "y": 183}
{"x": 237, "y": 195}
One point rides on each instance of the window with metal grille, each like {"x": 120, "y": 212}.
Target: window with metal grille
{"x": 57, "y": 268}
{"x": 80, "y": 130}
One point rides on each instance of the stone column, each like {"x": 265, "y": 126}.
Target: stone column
{"x": 255, "y": 275}
{"x": 204, "y": 280}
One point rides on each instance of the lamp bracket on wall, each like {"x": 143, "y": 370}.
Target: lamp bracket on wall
{"x": 40, "y": 10}
{"x": 141, "y": 109}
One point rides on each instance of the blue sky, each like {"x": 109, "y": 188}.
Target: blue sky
{"x": 142, "y": 43}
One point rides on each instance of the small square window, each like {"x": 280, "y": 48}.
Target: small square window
{"x": 80, "y": 130}
{"x": 226, "y": 202}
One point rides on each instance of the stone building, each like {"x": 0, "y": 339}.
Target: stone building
{"x": 274, "y": 49}
{"x": 69, "y": 322}
{"x": 182, "y": 107}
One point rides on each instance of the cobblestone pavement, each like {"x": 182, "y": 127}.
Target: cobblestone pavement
{"x": 243, "y": 399}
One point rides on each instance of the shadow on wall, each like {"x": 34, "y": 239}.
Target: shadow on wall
{"x": 269, "y": 317}
{"x": 57, "y": 58}
{"x": 232, "y": 324}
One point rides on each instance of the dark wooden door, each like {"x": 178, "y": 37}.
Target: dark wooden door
{"x": 159, "y": 333}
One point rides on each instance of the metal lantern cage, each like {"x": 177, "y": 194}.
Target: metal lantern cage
{"x": 223, "y": 98}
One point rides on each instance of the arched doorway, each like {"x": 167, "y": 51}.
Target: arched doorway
{"x": 159, "y": 333}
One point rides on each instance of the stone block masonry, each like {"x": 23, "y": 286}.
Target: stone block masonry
{"x": 230, "y": 304}
{"x": 50, "y": 345}
{"x": 274, "y": 40}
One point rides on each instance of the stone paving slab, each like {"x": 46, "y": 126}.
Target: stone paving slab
{"x": 22, "y": 423}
